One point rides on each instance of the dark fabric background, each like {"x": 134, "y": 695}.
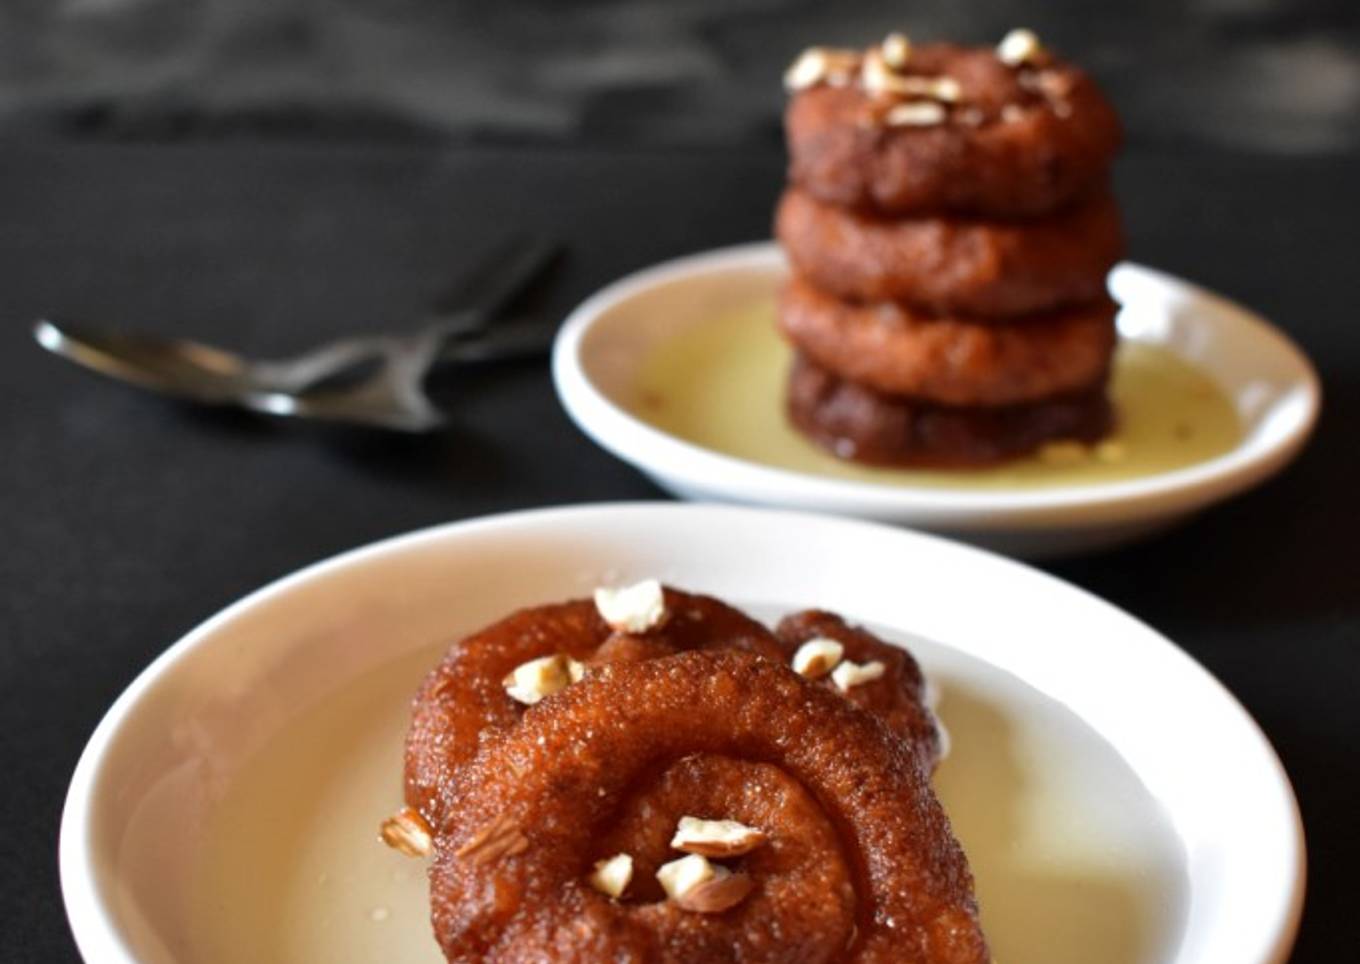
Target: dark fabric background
{"x": 1281, "y": 76}
{"x": 128, "y": 520}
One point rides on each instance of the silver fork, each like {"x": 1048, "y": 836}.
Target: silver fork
{"x": 375, "y": 380}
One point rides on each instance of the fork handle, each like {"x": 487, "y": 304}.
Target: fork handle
{"x": 498, "y": 345}
{"x": 476, "y": 300}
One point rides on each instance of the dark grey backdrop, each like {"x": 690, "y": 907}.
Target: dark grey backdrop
{"x": 1273, "y": 75}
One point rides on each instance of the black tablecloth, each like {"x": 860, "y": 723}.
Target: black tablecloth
{"x": 127, "y": 520}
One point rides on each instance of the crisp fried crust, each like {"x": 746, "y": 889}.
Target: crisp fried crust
{"x": 462, "y": 702}
{"x": 1007, "y": 149}
{"x": 962, "y": 266}
{"x": 861, "y": 865}
{"x": 897, "y": 698}
{"x": 853, "y": 422}
{"x": 949, "y": 360}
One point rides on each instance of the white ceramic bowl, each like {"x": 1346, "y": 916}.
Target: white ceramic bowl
{"x": 173, "y": 746}
{"x": 603, "y": 343}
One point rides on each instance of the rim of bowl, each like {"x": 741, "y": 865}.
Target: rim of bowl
{"x": 653, "y": 450}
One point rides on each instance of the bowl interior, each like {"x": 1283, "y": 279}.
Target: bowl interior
{"x": 1269, "y": 380}
{"x": 172, "y": 747}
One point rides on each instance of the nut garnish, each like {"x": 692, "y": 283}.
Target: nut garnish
{"x": 1055, "y": 87}
{"x": 916, "y": 113}
{"x": 820, "y": 65}
{"x": 877, "y": 77}
{"x": 697, "y": 885}
{"x": 1011, "y": 113}
{"x": 881, "y": 78}
{"x": 611, "y": 875}
{"x": 632, "y": 609}
{"x": 500, "y": 838}
{"x": 896, "y": 49}
{"x": 849, "y": 674}
{"x": 817, "y": 657}
{"x": 406, "y": 831}
{"x": 807, "y": 71}
{"x": 1019, "y": 47}
{"x": 532, "y": 681}
{"x": 1054, "y": 84}
{"x": 945, "y": 89}
{"x": 716, "y": 838}
{"x": 684, "y": 874}
{"x": 724, "y": 891}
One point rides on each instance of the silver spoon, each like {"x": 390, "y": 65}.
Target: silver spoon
{"x": 374, "y": 380}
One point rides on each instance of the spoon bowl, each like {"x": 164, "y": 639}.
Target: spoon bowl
{"x": 171, "y": 366}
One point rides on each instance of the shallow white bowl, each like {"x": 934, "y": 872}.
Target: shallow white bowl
{"x": 605, "y": 341}
{"x": 175, "y": 741}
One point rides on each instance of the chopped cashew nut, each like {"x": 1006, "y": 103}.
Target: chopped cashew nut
{"x": 679, "y": 877}
{"x": 807, "y": 71}
{"x": 918, "y": 113}
{"x": 717, "y": 895}
{"x": 817, "y": 657}
{"x": 820, "y": 64}
{"x": 716, "y": 838}
{"x": 849, "y": 674}
{"x": 532, "y": 681}
{"x": 896, "y": 50}
{"x": 1019, "y": 47}
{"x": 632, "y": 609}
{"x": 612, "y": 875}
{"x": 406, "y": 831}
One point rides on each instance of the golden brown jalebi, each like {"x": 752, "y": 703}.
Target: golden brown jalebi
{"x": 858, "y": 862}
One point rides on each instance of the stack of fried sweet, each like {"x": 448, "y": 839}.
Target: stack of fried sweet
{"x": 950, "y": 224}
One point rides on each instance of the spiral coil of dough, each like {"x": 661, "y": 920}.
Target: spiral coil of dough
{"x": 701, "y": 717}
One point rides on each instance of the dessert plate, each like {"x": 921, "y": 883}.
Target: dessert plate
{"x": 226, "y": 808}
{"x": 606, "y": 342}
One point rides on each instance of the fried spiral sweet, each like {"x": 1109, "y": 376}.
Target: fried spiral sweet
{"x": 860, "y": 864}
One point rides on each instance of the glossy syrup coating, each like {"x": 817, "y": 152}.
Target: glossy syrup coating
{"x": 462, "y": 703}
{"x": 949, "y": 360}
{"x": 509, "y": 878}
{"x": 898, "y": 698}
{"x": 1020, "y": 141}
{"x": 857, "y": 423}
{"x": 954, "y": 265}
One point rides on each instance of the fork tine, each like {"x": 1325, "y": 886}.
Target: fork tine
{"x": 482, "y": 293}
